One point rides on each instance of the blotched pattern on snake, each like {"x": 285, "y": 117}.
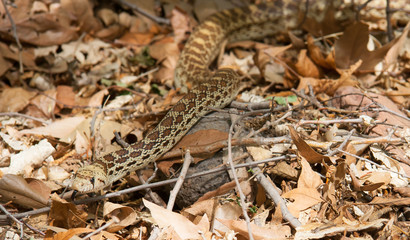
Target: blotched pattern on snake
{"x": 209, "y": 89}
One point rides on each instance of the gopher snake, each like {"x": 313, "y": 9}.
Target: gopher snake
{"x": 210, "y": 90}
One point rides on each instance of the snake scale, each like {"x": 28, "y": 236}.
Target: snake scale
{"x": 209, "y": 89}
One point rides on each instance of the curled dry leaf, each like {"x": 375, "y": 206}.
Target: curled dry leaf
{"x": 305, "y": 150}
{"x": 316, "y": 54}
{"x": 352, "y": 46}
{"x": 305, "y": 67}
{"x": 33, "y": 194}
{"x": 125, "y": 215}
{"x": 66, "y": 214}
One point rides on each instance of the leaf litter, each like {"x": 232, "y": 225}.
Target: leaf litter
{"x": 338, "y": 92}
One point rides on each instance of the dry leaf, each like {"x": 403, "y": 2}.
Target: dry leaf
{"x": 166, "y": 218}
{"x": 268, "y": 232}
{"x": 305, "y": 67}
{"x": 125, "y": 215}
{"x": 305, "y": 150}
{"x": 10, "y": 103}
{"x": 308, "y": 178}
{"x": 66, "y": 214}
{"x": 28, "y": 195}
{"x": 303, "y": 198}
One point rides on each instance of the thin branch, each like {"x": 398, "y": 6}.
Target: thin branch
{"x": 9, "y": 215}
{"x": 185, "y": 166}
{"x": 100, "y": 229}
{"x": 20, "y": 48}
{"x": 231, "y": 164}
{"x": 274, "y": 195}
{"x": 16, "y": 114}
{"x": 371, "y": 162}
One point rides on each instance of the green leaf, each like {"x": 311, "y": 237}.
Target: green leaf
{"x": 285, "y": 100}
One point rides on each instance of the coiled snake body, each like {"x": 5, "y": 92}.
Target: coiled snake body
{"x": 209, "y": 90}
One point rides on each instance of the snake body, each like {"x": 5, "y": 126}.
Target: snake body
{"x": 209, "y": 89}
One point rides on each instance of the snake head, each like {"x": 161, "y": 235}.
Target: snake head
{"x": 89, "y": 178}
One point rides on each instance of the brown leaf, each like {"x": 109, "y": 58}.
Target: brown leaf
{"x": 316, "y": 54}
{"x": 199, "y": 138}
{"x": 267, "y": 232}
{"x": 125, "y": 215}
{"x": 305, "y": 150}
{"x": 352, "y": 47}
{"x": 303, "y": 199}
{"x": 15, "y": 188}
{"x": 306, "y": 67}
{"x": 308, "y": 178}
{"x": 166, "y": 218}
{"x": 10, "y": 103}
{"x": 66, "y": 214}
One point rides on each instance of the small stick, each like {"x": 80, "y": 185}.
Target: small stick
{"x": 232, "y": 166}
{"x": 16, "y": 114}
{"x": 334, "y": 152}
{"x": 275, "y": 196}
{"x": 371, "y": 162}
{"x": 100, "y": 229}
{"x": 20, "y": 48}
{"x": 9, "y": 215}
{"x": 185, "y": 166}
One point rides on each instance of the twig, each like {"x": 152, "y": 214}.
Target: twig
{"x": 333, "y": 152}
{"x": 274, "y": 195}
{"x": 16, "y": 114}
{"x": 388, "y": 19}
{"x": 333, "y": 121}
{"x": 359, "y": 8}
{"x": 371, "y": 162}
{"x": 100, "y": 229}
{"x": 9, "y": 215}
{"x": 187, "y": 161}
{"x": 144, "y": 13}
{"x": 251, "y": 106}
{"x": 231, "y": 164}
{"x": 268, "y": 124}
{"x": 20, "y": 48}
{"x": 143, "y": 75}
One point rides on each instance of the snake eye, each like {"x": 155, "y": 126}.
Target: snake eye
{"x": 92, "y": 180}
